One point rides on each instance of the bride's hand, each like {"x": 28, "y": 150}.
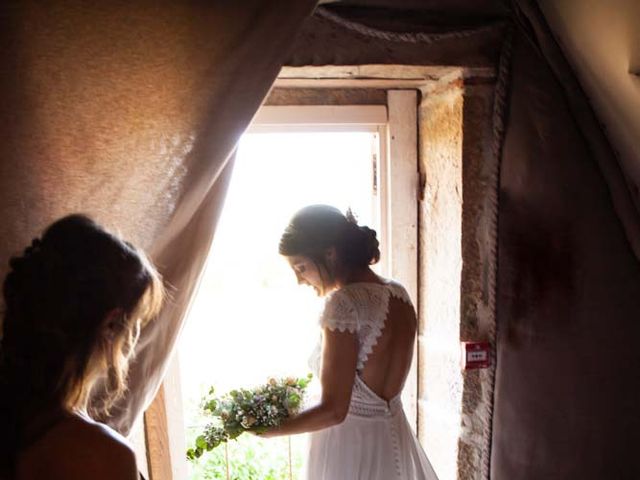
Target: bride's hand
{"x": 272, "y": 432}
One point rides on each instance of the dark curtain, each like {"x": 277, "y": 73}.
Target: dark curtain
{"x": 568, "y": 293}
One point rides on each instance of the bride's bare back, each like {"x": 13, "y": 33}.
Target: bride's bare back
{"x": 389, "y": 362}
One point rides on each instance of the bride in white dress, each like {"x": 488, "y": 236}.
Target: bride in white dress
{"x": 358, "y": 429}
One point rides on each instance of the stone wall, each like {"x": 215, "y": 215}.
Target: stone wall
{"x": 455, "y": 152}
{"x": 440, "y": 383}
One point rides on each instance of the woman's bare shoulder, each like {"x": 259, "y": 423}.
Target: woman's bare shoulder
{"x": 77, "y": 447}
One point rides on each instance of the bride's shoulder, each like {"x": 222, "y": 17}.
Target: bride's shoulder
{"x": 338, "y": 301}
{"x": 396, "y": 287}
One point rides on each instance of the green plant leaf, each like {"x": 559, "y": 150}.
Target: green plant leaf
{"x": 201, "y": 442}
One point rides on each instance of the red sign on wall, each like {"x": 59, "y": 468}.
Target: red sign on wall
{"x": 476, "y": 355}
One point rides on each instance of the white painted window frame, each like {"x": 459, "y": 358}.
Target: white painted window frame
{"x": 316, "y": 118}
{"x": 397, "y": 181}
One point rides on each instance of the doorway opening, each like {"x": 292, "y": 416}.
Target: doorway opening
{"x": 250, "y": 320}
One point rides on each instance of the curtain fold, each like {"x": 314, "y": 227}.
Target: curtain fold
{"x": 129, "y": 112}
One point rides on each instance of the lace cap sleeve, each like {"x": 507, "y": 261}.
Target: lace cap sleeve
{"x": 339, "y": 313}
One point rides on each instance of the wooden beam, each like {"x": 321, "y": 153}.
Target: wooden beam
{"x": 157, "y": 439}
{"x": 389, "y": 72}
{"x": 138, "y": 442}
{"x": 348, "y": 83}
{"x": 374, "y": 76}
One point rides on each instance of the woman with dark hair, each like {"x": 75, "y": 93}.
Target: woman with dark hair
{"x": 359, "y": 429}
{"x": 75, "y": 301}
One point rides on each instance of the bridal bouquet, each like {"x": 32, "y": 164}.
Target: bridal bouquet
{"x": 248, "y": 410}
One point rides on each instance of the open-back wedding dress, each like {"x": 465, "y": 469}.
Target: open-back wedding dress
{"x": 375, "y": 441}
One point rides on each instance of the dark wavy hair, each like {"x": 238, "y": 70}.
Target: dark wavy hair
{"x": 316, "y": 228}
{"x": 55, "y": 345}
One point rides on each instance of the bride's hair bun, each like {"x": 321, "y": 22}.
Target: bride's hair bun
{"x": 371, "y": 244}
{"x": 318, "y": 227}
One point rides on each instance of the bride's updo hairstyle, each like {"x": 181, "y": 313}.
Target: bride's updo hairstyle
{"x": 75, "y": 301}
{"x": 316, "y": 228}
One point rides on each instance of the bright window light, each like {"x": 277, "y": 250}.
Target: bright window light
{"x": 250, "y": 320}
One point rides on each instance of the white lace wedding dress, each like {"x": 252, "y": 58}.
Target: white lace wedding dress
{"x": 375, "y": 442}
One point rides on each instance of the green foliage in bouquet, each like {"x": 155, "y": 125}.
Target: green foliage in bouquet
{"x": 248, "y": 410}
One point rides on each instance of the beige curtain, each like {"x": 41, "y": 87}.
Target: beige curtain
{"x": 129, "y": 111}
